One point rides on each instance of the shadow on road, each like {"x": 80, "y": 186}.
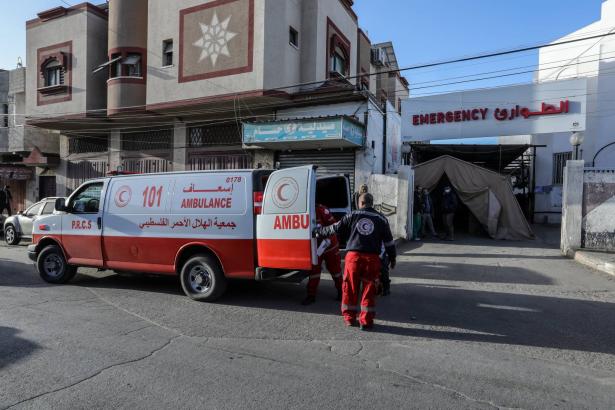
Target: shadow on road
{"x": 14, "y": 348}
{"x": 475, "y": 273}
{"x": 484, "y": 255}
{"x": 448, "y": 313}
{"x": 18, "y": 274}
{"x": 442, "y": 311}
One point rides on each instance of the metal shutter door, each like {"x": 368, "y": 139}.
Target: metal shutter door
{"x": 328, "y": 162}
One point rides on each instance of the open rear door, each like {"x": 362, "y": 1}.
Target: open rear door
{"x": 333, "y": 191}
{"x": 284, "y": 228}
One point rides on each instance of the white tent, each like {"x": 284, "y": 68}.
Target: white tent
{"x": 487, "y": 194}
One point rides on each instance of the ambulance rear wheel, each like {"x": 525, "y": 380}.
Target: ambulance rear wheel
{"x": 52, "y": 266}
{"x": 202, "y": 278}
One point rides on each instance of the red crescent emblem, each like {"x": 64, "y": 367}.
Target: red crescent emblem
{"x": 287, "y": 198}
{"x": 123, "y": 196}
{"x": 279, "y": 193}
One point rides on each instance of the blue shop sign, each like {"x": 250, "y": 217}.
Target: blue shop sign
{"x": 341, "y": 129}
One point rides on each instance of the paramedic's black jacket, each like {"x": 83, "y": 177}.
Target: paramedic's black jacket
{"x": 365, "y": 231}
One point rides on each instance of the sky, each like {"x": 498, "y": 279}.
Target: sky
{"x": 422, "y": 31}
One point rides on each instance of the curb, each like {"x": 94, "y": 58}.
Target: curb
{"x": 594, "y": 262}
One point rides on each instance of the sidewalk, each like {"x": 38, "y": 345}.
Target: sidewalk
{"x": 601, "y": 261}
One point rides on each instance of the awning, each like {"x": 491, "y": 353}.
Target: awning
{"x": 305, "y": 133}
{"x": 494, "y": 157}
{"x": 132, "y": 59}
{"x": 103, "y": 65}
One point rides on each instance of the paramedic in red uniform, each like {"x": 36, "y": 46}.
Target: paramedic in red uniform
{"x": 330, "y": 256}
{"x": 366, "y": 230}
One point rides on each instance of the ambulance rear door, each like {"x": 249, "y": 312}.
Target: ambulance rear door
{"x": 284, "y": 228}
{"x": 333, "y": 191}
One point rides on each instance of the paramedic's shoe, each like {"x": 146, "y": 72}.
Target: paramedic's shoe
{"x": 309, "y": 300}
{"x": 366, "y": 328}
{"x": 350, "y": 322}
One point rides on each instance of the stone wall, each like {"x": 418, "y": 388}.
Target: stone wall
{"x": 588, "y": 209}
{"x": 598, "y": 225}
{"x": 391, "y": 198}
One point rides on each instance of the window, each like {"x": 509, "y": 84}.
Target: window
{"x": 293, "y": 37}
{"x": 49, "y": 208}
{"x": 87, "y": 200}
{"x": 339, "y": 62}
{"x": 116, "y": 66}
{"x": 53, "y": 73}
{"x": 167, "y": 53}
{"x": 133, "y": 64}
{"x": 5, "y": 115}
{"x": 33, "y": 210}
{"x": 559, "y": 163}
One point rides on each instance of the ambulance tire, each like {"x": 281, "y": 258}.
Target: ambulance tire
{"x": 52, "y": 266}
{"x": 202, "y": 278}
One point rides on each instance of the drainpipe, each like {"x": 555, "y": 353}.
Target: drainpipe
{"x": 384, "y": 139}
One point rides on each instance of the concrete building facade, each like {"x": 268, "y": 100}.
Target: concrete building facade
{"x": 594, "y": 60}
{"x": 153, "y": 85}
{"x": 28, "y": 155}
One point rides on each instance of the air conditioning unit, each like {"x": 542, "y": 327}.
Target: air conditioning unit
{"x": 379, "y": 57}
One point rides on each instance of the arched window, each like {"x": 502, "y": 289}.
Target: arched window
{"x": 53, "y": 72}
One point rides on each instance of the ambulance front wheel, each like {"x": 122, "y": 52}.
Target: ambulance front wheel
{"x": 52, "y": 266}
{"x": 202, "y": 278}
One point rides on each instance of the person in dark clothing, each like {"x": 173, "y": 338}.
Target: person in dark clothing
{"x": 417, "y": 211}
{"x": 385, "y": 278}
{"x": 363, "y": 189}
{"x": 366, "y": 230}
{"x": 427, "y": 217}
{"x": 449, "y": 207}
{"x": 5, "y": 200}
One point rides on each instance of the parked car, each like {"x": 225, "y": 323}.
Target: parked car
{"x": 19, "y": 226}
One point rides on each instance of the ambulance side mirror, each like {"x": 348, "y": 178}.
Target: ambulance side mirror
{"x": 60, "y": 205}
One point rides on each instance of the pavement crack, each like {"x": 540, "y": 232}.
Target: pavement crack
{"x": 358, "y": 352}
{"x": 98, "y": 373}
{"x": 455, "y": 392}
{"x": 118, "y": 307}
{"x": 136, "y": 330}
{"x": 28, "y": 305}
{"x": 252, "y": 355}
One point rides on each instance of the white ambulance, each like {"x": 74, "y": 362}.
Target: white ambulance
{"x": 206, "y": 227}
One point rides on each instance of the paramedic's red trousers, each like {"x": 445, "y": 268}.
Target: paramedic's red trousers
{"x": 333, "y": 262}
{"x": 360, "y": 269}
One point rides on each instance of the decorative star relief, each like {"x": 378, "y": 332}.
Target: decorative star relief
{"x": 216, "y": 37}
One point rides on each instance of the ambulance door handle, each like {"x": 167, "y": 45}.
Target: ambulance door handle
{"x": 99, "y": 222}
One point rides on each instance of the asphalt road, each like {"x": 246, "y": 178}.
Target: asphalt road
{"x": 497, "y": 325}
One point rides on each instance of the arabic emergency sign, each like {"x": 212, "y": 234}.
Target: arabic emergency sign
{"x": 343, "y": 130}
{"x": 550, "y": 107}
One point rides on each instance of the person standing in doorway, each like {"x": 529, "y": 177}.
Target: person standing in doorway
{"x": 417, "y": 211}
{"x": 355, "y": 199}
{"x": 449, "y": 207}
{"x": 5, "y": 200}
{"x": 427, "y": 217}
{"x": 329, "y": 253}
